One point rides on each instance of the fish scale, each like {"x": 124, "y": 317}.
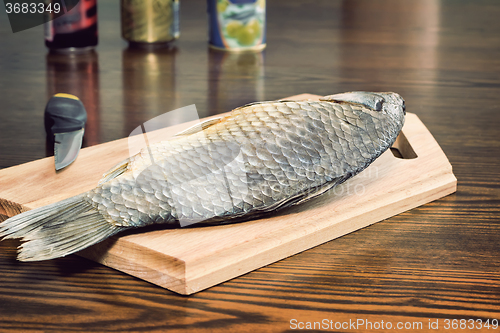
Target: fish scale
{"x": 262, "y": 157}
{"x": 291, "y": 149}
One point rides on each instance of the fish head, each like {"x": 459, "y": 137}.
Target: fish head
{"x": 394, "y": 107}
{"x": 392, "y": 103}
{"x": 389, "y": 103}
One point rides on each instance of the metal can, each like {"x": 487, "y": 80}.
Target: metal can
{"x": 75, "y": 31}
{"x": 150, "y": 21}
{"x": 237, "y": 25}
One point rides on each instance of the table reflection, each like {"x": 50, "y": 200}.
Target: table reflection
{"x": 404, "y": 43}
{"x": 149, "y": 84}
{"x": 233, "y": 77}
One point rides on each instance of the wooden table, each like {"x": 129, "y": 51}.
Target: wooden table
{"x": 431, "y": 265}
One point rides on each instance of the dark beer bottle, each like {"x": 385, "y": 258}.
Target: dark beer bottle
{"x": 76, "y": 30}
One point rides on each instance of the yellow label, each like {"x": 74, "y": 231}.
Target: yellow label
{"x": 63, "y": 95}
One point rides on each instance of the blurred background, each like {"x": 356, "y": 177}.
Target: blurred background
{"x": 320, "y": 47}
{"x": 442, "y": 56}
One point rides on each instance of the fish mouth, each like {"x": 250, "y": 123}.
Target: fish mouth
{"x": 394, "y": 99}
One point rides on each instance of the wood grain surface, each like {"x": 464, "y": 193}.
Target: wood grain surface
{"x": 436, "y": 262}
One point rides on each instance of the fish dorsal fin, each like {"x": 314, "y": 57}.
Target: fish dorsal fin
{"x": 115, "y": 171}
{"x": 264, "y": 102}
{"x": 370, "y": 100}
{"x": 199, "y": 127}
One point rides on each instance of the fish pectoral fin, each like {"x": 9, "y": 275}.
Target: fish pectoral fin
{"x": 318, "y": 191}
{"x": 370, "y": 100}
{"x": 115, "y": 171}
{"x": 306, "y": 195}
{"x": 199, "y": 127}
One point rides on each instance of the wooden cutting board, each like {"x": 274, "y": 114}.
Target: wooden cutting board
{"x": 188, "y": 260}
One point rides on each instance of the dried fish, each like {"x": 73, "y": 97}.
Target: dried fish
{"x": 262, "y": 157}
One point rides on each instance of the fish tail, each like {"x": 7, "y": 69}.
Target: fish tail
{"x": 58, "y": 229}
